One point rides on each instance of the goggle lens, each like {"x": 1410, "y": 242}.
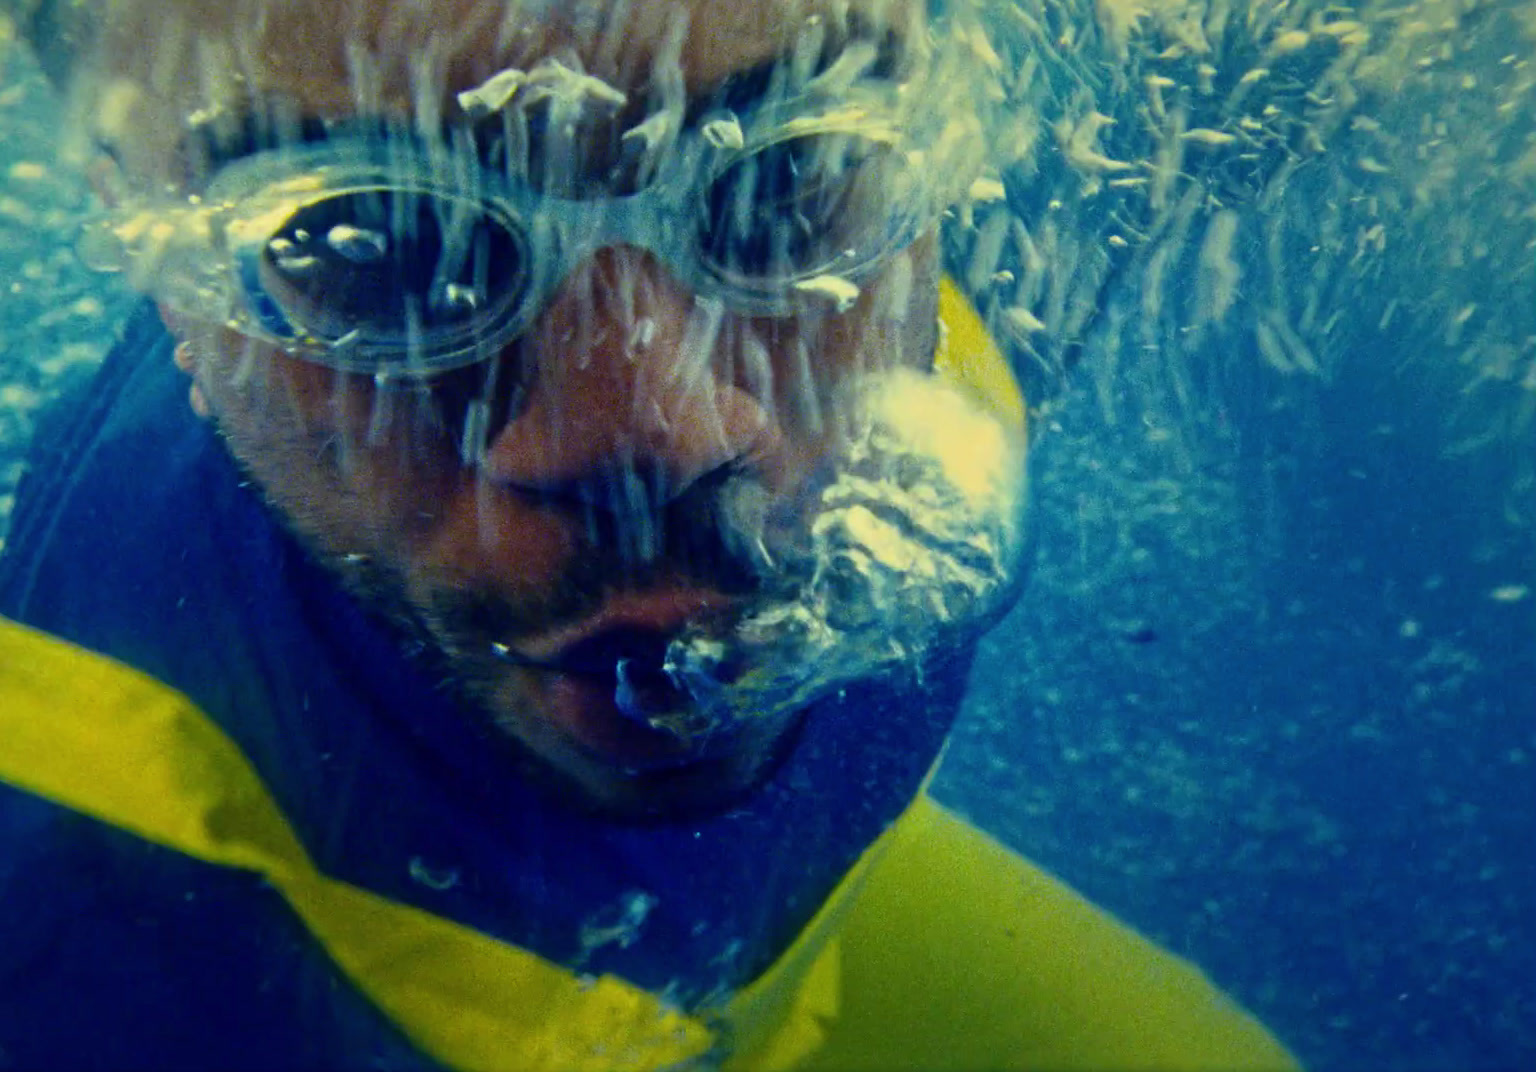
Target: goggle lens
{"x": 798, "y": 207}
{"x": 393, "y": 268}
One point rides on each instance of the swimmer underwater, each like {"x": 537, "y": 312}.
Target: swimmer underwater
{"x": 548, "y": 501}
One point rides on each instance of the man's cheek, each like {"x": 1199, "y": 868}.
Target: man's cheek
{"x": 895, "y": 324}
{"x": 313, "y": 417}
{"x": 247, "y": 385}
{"x": 481, "y": 535}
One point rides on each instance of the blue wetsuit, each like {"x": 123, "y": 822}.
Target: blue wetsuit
{"x": 136, "y": 536}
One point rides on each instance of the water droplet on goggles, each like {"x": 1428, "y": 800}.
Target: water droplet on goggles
{"x": 360, "y": 245}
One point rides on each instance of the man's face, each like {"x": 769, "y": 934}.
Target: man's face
{"x": 549, "y": 517}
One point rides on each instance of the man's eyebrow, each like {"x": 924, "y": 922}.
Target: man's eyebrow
{"x": 742, "y": 91}
{"x": 213, "y": 141}
{"x": 738, "y": 92}
{"x": 273, "y": 123}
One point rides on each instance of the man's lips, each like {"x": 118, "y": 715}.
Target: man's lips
{"x": 627, "y": 663}
{"x": 606, "y": 681}
{"x": 658, "y": 612}
{"x": 601, "y": 654}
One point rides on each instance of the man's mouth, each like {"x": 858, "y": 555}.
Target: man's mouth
{"x": 604, "y": 679}
{"x": 628, "y": 661}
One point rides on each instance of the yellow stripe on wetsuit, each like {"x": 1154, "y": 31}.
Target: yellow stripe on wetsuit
{"x": 120, "y": 747}
{"x": 968, "y": 358}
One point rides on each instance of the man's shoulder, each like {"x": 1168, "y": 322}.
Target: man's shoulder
{"x": 961, "y": 953}
{"x": 99, "y": 450}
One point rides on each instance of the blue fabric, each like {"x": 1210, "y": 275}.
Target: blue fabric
{"x": 116, "y": 954}
{"x": 136, "y": 536}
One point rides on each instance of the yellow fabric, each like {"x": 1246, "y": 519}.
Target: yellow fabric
{"x": 959, "y": 954}
{"x": 968, "y": 358}
{"x": 111, "y": 743}
{"x": 942, "y": 950}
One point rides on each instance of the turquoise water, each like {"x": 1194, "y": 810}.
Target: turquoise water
{"x": 1271, "y": 692}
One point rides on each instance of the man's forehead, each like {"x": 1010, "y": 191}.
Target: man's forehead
{"x": 330, "y": 55}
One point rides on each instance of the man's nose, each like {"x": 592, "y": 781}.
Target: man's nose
{"x": 628, "y": 375}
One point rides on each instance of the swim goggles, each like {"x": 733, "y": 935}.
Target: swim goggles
{"x": 395, "y": 256}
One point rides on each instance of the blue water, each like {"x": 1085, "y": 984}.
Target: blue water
{"x": 1334, "y": 818}
{"x": 1269, "y": 695}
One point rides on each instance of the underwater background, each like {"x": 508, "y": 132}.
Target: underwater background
{"x": 1270, "y": 694}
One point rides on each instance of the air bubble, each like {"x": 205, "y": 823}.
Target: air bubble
{"x": 457, "y": 299}
{"x": 724, "y": 133}
{"x": 360, "y": 245}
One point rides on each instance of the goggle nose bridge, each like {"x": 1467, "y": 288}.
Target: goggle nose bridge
{"x": 564, "y": 235}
